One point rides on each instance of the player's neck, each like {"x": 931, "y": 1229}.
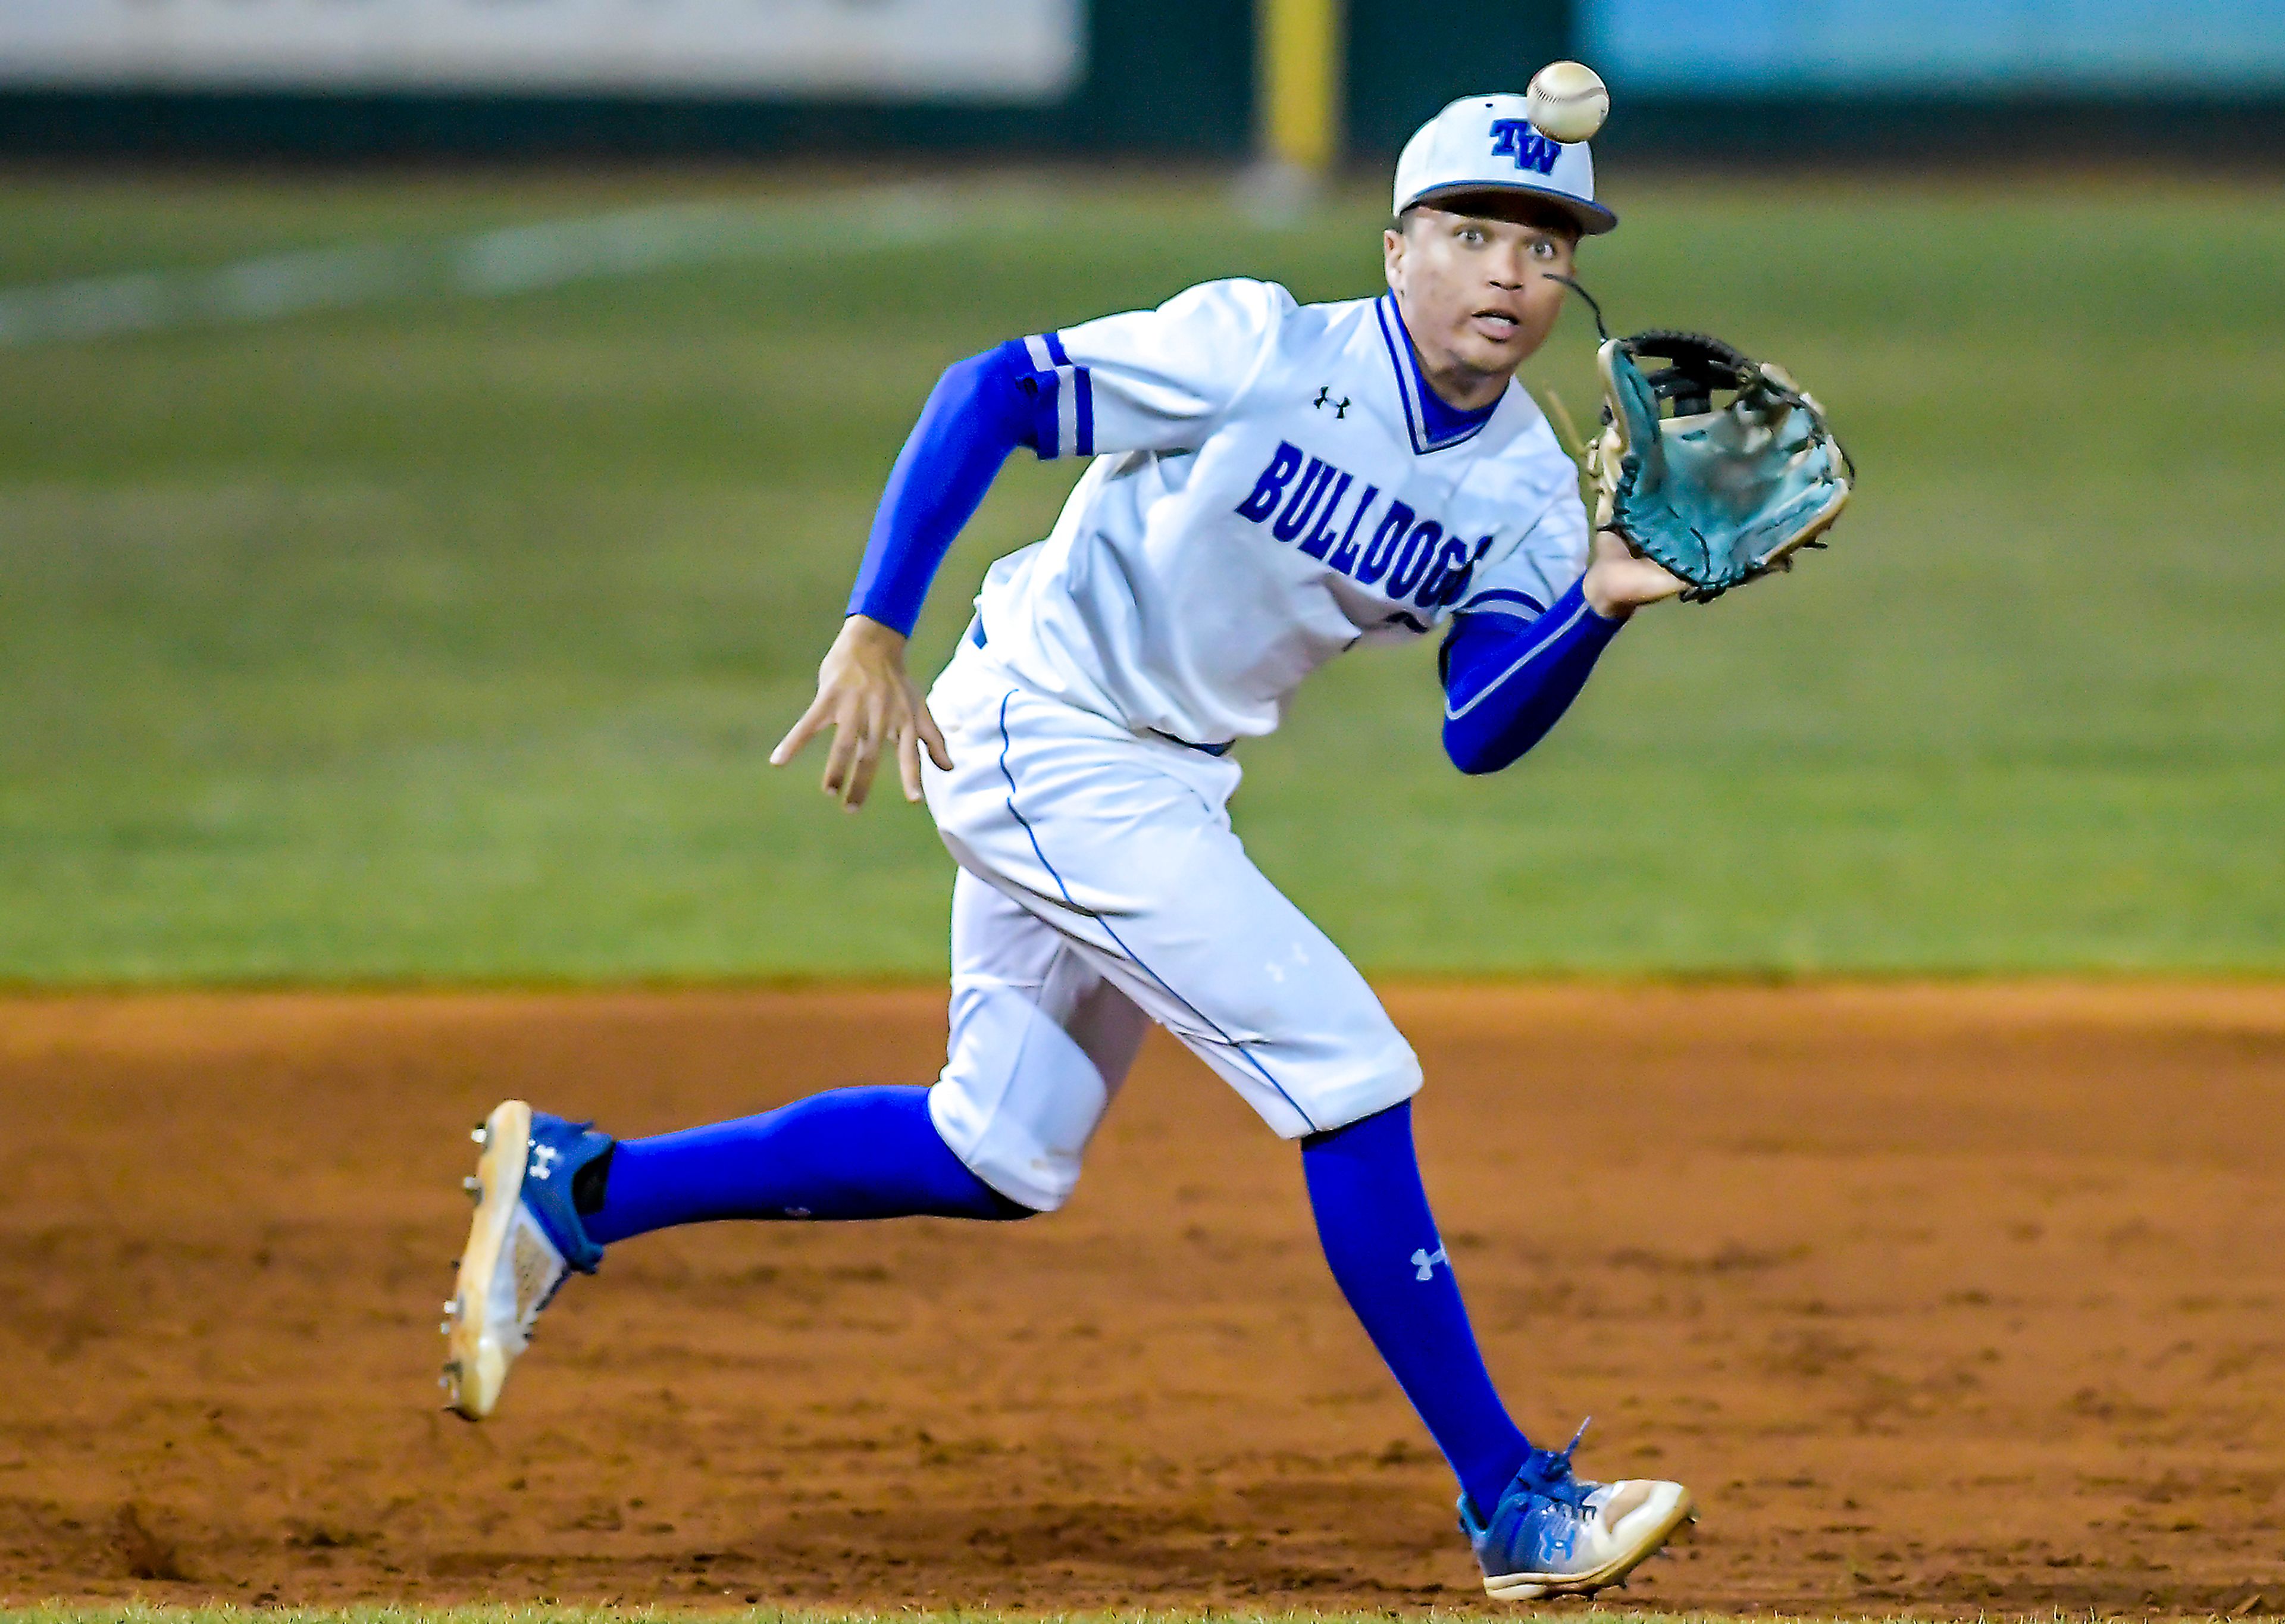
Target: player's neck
{"x": 1459, "y": 386}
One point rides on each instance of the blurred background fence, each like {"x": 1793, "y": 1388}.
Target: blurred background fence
{"x": 2096, "y": 80}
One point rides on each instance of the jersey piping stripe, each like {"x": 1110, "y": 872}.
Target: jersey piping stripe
{"x": 1066, "y": 417}
{"x": 1403, "y": 369}
{"x": 1073, "y": 392}
{"x": 1399, "y": 346}
{"x": 1006, "y": 744}
{"x": 1046, "y": 416}
{"x": 1538, "y": 648}
{"x": 1490, "y": 602}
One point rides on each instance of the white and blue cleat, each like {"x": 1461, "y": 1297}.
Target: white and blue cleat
{"x": 1556, "y": 1535}
{"x": 524, "y": 1242}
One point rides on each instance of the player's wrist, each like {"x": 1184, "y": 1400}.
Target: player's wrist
{"x": 863, "y": 629}
{"x": 1601, "y": 592}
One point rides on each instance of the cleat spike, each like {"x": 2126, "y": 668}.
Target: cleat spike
{"x": 473, "y": 1185}
{"x": 481, "y": 1134}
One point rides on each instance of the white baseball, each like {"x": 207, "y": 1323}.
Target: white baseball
{"x": 1567, "y": 101}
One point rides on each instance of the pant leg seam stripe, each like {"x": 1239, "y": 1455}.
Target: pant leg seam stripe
{"x": 1006, "y": 744}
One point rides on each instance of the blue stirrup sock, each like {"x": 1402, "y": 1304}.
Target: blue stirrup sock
{"x": 847, "y": 1154}
{"x": 859, "y": 1153}
{"x": 1381, "y": 1240}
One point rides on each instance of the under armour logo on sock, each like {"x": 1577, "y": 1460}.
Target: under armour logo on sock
{"x": 544, "y": 1158}
{"x": 1425, "y": 1262}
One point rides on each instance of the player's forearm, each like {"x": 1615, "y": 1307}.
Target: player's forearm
{"x": 1505, "y": 686}
{"x": 977, "y": 413}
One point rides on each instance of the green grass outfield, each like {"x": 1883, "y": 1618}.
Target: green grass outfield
{"x": 444, "y": 639}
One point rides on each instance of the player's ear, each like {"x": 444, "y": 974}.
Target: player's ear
{"x": 1391, "y": 253}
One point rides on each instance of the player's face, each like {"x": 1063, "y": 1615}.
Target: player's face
{"x": 1474, "y": 287}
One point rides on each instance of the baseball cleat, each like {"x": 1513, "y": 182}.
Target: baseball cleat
{"x": 524, "y": 1243}
{"x": 1556, "y": 1535}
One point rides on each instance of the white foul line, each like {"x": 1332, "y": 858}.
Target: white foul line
{"x": 490, "y": 265}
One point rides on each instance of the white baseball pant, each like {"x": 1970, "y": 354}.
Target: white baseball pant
{"x": 1101, "y": 884}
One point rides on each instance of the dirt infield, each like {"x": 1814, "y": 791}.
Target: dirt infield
{"x": 1951, "y": 1300}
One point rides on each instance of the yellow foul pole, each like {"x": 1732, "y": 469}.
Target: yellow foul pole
{"x": 1298, "y": 80}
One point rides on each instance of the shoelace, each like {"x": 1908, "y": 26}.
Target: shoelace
{"x": 1547, "y": 1472}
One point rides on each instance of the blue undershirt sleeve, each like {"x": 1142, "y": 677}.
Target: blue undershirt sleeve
{"x": 1505, "y": 684}
{"x": 982, "y": 409}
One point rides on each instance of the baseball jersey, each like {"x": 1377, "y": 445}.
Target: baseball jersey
{"x": 1272, "y": 485}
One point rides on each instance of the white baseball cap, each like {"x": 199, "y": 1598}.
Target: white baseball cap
{"x": 1487, "y": 144}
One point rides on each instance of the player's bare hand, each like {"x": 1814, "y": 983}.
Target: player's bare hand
{"x": 866, "y": 697}
{"x": 1620, "y": 580}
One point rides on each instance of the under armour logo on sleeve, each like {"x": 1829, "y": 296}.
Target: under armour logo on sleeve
{"x": 1425, "y": 1262}
{"x": 1325, "y": 399}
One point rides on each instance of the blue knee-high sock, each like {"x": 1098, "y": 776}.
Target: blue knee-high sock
{"x": 1380, "y": 1239}
{"x": 851, "y": 1153}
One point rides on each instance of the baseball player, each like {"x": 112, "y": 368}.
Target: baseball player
{"x": 1271, "y": 484}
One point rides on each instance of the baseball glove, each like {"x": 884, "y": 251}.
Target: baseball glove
{"x": 1720, "y": 495}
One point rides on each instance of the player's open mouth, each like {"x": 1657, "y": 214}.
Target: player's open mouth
{"x": 1497, "y": 324}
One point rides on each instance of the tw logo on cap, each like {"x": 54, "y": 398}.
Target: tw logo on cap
{"x": 1516, "y": 138}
